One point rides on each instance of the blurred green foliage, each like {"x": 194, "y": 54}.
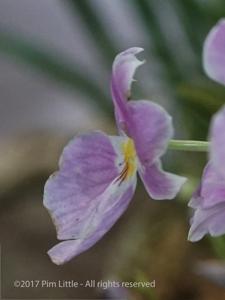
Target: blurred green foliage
{"x": 191, "y": 88}
{"x": 52, "y": 65}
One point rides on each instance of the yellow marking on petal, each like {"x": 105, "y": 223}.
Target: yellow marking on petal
{"x": 129, "y": 152}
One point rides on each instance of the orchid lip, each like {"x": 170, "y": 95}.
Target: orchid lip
{"x": 129, "y": 162}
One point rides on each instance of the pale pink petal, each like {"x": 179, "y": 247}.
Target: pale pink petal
{"x": 209, "y": 201}
{"x": 217, "y": 137}
{"x": 214, "y": 53}
{"x": 87, "y": 195}
{"x": 196, "y": 198}
{"x": 212, "y": 187}
{"x": 123, "y": 70}
{"x": 150, "y": 126}
{"x": 209, "y": 220}
{"x": 110, "y": 206}
{"x": 159, "y": 184}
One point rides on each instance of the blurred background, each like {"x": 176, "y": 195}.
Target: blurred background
{"x": 55, "y": 67}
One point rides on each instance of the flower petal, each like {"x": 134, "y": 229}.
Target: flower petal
{"x": 150, "y": 126}
{"x": 124, "y": 67}
{"x": 86, "y": 187}
{"x": 212, "y": 187}
{"x": 159, "y": 184}
{"x": 210, "y": 196}
{"x": 214, "y": 53}
{"x": 209, "y": 220}
{"x": 196, "y": 198}
{"x": 109, "y": 207}
{"x": 217, "y": 137}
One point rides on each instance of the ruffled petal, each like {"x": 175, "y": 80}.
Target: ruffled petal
{"x": 124, "y": 67}
{"x": 214, "y": 53}
{"x": 217, "y": 137}
{"x": 88, "y": 187}
{"x": 108, "y": 209}
{"x": 209, "y": 220}
{"x": 159, "y": 184}
{"x": 150, "y": 126}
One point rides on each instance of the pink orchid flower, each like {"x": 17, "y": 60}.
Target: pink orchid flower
{"x": 98, "y": 173}
{"x": 208, "y": 201}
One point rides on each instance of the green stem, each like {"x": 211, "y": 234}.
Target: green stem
{"x": 184, "y": 145}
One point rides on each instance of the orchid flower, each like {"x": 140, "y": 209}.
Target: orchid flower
{"x": 208, "y": 201}
{"x": 98, "y": 173}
